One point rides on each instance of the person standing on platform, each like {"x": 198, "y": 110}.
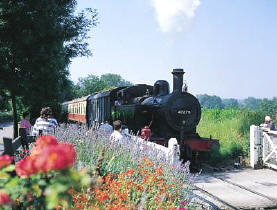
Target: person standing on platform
{"x": 25, "y": 123}
{"x": 269, "y": 123}
{"x": 106, "y": 127}
{"x": 45, "y": 124}
{"x": 116, "y": 136}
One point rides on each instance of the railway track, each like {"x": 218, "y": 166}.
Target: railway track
{"x": 231, "y": 194}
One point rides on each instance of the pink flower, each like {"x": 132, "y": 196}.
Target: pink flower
{"x": 26, "y": 167}
{"x": 5, "y": 160}
{"x": 56, "y": 157}
{"x": 4, "y": 197}
{"x": 182, "y": 208}
{"x": 184, "y": 202}
{"x": 41, "y": 143}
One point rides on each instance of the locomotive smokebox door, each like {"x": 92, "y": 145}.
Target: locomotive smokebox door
{"x": 183, "y": 111}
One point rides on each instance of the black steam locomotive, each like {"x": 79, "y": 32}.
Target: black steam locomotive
{"x": 168, "y": 115}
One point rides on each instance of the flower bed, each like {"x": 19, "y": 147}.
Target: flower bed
{"x": 125, "y": 175}
{"x": 145, "y": 188}
{"x": 131, "y": 175}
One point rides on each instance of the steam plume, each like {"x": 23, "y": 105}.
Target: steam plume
{"x": 174, "y": 14}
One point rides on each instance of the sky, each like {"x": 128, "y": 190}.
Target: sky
{"x": 227, "y": 48}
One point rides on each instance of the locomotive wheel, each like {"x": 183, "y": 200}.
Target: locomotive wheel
{"x": 186, "y": 153}
{"x": 193, "y": 157}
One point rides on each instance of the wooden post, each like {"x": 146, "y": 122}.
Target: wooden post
{"x": 174, "y": 151}
{"x": 255, "y": 146}
{"x": 8, "y": 146}
{"x": 15, "y": 120}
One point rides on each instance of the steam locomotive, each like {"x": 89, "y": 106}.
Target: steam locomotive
{"x": 167, "y": 115}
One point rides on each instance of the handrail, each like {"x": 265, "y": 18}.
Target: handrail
{"x": 10, "y": 146}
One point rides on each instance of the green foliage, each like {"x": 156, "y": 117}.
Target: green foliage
{"x": 231, "y": 127}
{"x": 249, "y": 118}
{"x": 251, "y": 103}
{"x": 230, "y": 103}
{"x": 92, "y": 83}
{"x": 269, "y": 107}
{"x": 6, "y": 116}
{"x": 208, "y": 101}
{"x": 34, "y": 55}
{"x": 5, "y": 104}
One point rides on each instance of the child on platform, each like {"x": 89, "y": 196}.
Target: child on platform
{"x": 25, "y": 123}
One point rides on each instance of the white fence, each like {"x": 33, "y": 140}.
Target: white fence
{"x": 263, "y": 147}
{"x": 172, "y": 152}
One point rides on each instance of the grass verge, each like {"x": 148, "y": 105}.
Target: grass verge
{"x": 231, "y": 127}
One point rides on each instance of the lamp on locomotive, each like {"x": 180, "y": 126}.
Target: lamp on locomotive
{"x": 146, "y": 133}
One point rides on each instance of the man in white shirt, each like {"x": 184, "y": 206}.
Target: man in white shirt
{"x": 116, "y": 136}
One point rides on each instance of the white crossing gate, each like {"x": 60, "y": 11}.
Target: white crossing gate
{"x": 263, "y": 147}
{"x": 270, "y": 149}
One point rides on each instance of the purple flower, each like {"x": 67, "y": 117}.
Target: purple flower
{"x": 184, "y": 202}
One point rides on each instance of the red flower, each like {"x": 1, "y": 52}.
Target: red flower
{"x": 26, "y": 167}
{"x": 56, "y": 157}
{"x": 5, "y": 160}
{"x": 4, "y": 197}
{"x": 43, "y": 141}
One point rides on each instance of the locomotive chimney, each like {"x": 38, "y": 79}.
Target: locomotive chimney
{"x": 177, "y": 80}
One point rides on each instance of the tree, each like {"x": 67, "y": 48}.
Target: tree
{"x": 92, "y": 84}
{"x": 4, "y": 104}
{"x": 115, "y": 80}
{"x": 252, "y": 103}
{"x": 230, "y": 103}
{"x": 38, "y": 39}
{"x": 269, "y": 107}
{"x": 208, "y": 101}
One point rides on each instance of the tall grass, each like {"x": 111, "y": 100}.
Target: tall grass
{"x": 231, "y": 126}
